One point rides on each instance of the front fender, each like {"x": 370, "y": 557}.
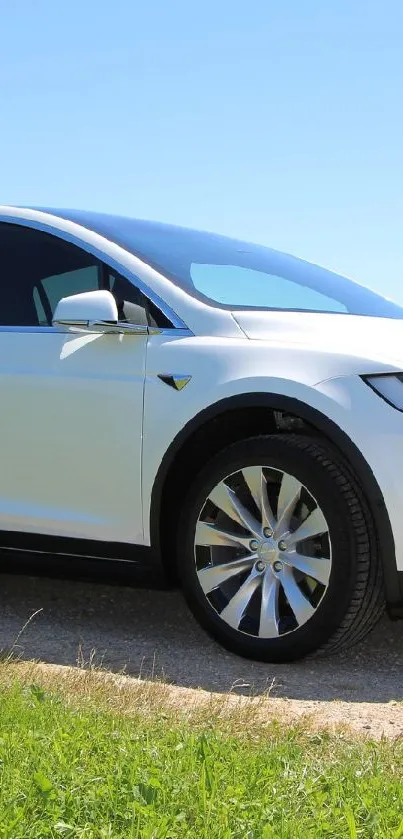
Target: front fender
{"x": 331, "y": 409}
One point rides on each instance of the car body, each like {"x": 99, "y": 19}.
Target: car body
{"x": 101, "y": 432}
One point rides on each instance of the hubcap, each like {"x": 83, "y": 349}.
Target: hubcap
{"x": 263, "y": 552}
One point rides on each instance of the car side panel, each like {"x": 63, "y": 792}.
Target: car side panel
{"x": 222, "y": 369}
{"x": 219, "y": 369}
{"x": 70, "y": 434}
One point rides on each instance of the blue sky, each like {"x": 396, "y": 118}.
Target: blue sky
{"x": 280, "y": 122}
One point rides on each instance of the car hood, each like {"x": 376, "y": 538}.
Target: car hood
{"x": 372, "y": 338}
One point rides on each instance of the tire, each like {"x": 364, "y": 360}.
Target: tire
{"x": 283, "y": 612}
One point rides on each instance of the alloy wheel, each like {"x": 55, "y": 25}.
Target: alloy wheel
{"x": 263, "y": 551}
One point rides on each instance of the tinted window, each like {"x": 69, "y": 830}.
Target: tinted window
{"x": 132, "y": 305}
{"x": 36, "y": 271}
{"x": 70, "y": 282}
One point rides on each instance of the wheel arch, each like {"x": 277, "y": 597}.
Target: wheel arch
{"x": 228, "y": 417}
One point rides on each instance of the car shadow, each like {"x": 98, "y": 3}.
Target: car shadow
{"x": 118, "y": 616}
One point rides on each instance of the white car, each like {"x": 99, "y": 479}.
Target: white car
{"x": 235, "y": 410}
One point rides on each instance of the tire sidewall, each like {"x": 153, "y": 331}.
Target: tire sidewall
{"x": 314, "y": 474}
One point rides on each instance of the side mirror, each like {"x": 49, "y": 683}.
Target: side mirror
{"x": 93, "y": 311}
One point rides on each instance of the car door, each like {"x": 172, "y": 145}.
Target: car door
{"x": 71, "y": 404}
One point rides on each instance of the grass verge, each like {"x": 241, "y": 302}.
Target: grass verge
{"x": 79, "y": 759}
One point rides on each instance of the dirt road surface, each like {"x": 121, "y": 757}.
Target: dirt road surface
{"x": 134, "y": 626}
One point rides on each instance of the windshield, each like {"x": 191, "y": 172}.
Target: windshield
{"x": 234, "y": 274}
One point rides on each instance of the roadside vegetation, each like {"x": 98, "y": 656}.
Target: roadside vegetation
{"x": 85, "y": 754}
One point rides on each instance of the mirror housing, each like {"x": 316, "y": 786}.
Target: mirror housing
{"x": 93, "y": 311}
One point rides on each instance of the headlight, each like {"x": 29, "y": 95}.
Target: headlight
{"x": 389, "y": 386}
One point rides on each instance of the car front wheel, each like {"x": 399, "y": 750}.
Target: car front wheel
{"x": 276, "y": 550}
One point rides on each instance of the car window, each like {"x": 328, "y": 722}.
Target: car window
{"x": 36, "y": 271}
{"x": 224, "y": 283}
{"x": 70, "y": 282}
{"x": 131, "y": 303}
{"x": 123, "y": 290}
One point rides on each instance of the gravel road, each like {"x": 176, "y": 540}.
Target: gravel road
{"x": 133, "y": 625}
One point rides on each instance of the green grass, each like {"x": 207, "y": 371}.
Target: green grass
{"x": 69, "y": 770}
